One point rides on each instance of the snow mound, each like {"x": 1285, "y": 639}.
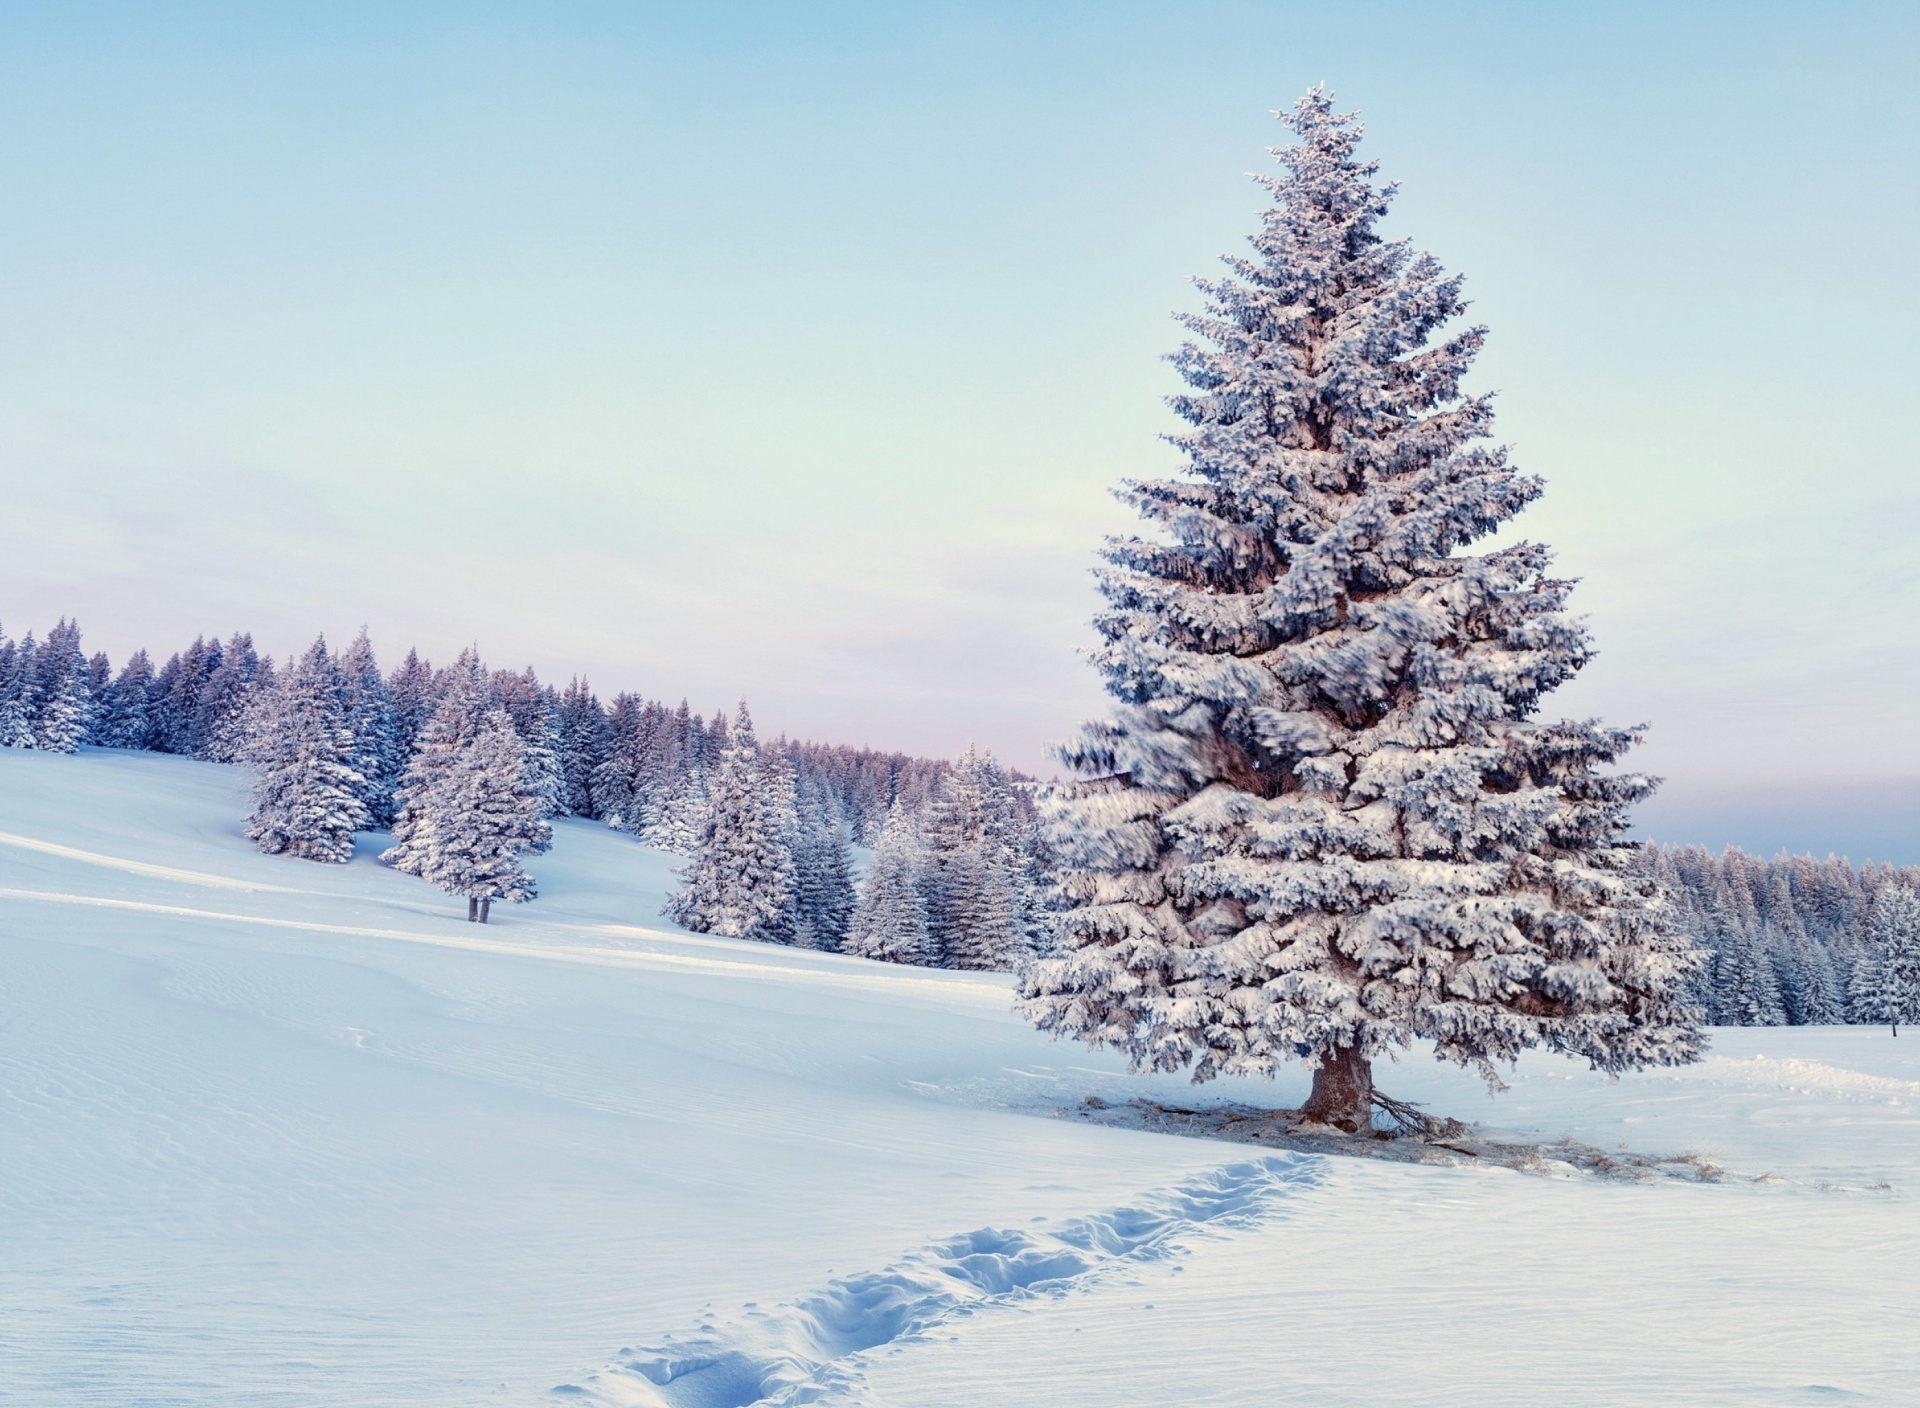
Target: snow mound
{"x": 1794, "y": 1074}
{"x": 801, "y": 1352}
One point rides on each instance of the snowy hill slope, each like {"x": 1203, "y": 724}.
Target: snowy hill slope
{"x": 280, "y": 1133}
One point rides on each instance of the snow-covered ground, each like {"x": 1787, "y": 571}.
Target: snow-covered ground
{"x": 274, "y": 1133}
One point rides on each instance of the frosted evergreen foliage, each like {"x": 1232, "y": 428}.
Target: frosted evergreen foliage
{"x": 823, "y": 891}
{"x": 1323, "y": 821}
{"x": 679, "y": 822}
{"x": 583, "y": 744}
{"x": 974, "y": 879}
{"x": 485, "y": 816}
{"x": 411, "y": 691}
{"x": 306, "y": 802}
{"x": 463, "y": 705}
{"x": 371, "y": 718}
{"x": 739, "y": 883}
{"x": 1889, "y": 987}
{"x": 890, "y": 922}
{"x": 18, "y": 695}
{"x": 214, "y": 734}
{"x": 532, "y": 710}
{"x": 126, "y": 716}
{"x": 60, "y": 705}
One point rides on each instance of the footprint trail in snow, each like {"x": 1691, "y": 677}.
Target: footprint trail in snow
{"x": 809, "y": 1351}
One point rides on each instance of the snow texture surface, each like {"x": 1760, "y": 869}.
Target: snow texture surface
{"x": 281, "y": 1134}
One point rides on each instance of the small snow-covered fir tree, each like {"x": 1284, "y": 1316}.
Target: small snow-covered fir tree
{"x": 823, "y": 891}
{"x": 485, "y": 815}
{"x": 739, "y": 882}
{"x": 974, "y": 882}
{"x": 457, "y": 718}
{"x": 583, "y": 745}
{"x": 17, "y": 694}
{"x": 890, "y": 922}
{"x": 306, "y": 801}
{"x": 62, "y": 698}
{"x": 411, "y": 691}
{"x": 377, "y": 755}
{"x": 1889, "y": 988}
{"x": 214, "y": 733}
{"x": 126, "y": 716}
{"x": 466, "y": 811}
{"x": 1323, "y": 821}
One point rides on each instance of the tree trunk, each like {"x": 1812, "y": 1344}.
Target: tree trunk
{"x": 1342, "y": 1091}
{"x": 486, "y": 907}
{"x": 473, "y": 909}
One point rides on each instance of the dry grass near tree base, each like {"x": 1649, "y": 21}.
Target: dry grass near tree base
{"x": 1411, "y": 1136}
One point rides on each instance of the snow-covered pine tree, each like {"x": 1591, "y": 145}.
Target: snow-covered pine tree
{"x": 779, "y": 798}
{"x": 62, "y": 707}
{"x": 99, "y": 681}
{"x": 127, "y": 718}
{"x": 16, "y": 692}
{"x": 483, "y": 816}
{"x": 214, "y": 734}
{"x": 410, "y": 689}
{"x": 1322, "y": 821}
{"x": 678, "y": 824}
{"x": 177, "y": 694}
{"x": 973, "y": 881}
{"x": 1817, "y": 999}
{"x": 823, "y": 891}
{"x": 583, "y": 744}
{"x": 615, "y": 778}
{"x": 463, "y": 704}
{"x": 530, "y": 707}
{"x": 371, "y": 718}
{"x": 1890, "y": 991}
{"x": 306, "y": 801}
{"x": 739, "y": 883}
{"x": 890, "y": 921}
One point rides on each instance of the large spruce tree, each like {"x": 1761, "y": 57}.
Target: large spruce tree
{"x": 1323, "y": 820}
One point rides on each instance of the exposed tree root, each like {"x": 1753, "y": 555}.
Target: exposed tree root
{"x": 1414, "y": 1137}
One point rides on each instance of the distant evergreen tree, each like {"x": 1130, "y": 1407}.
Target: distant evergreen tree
{"x": 823, "y": 889}
{"x": 972, "y": 876}
{"x": 61, "y": 714}
{"x": 306, "y": 802}
{"x": 19, "y": 696}
{"x": 779, "y": 800}
{"x": 214, "y": 734}
{"x": 463, "y": 707}
{"x": 177, "y": 694}
{"x": 531, "y": 708}
{"x": 681, "y": 821}
{"x": 410, "y": 691}
{"x": 1749, "y": 984}
{"x": 99, "y": 686}
{"x": 739, "y": 883}
{"x": 126, "y": 720}
{"x": 1813, "y": 993}
{"x": 616, "y": 799}
{"x": 1890, "y": 988}
{"x": 483, "y": 817}
{"x": 583, "y": 744}
{"x": 371, "y": 718}
{"x": 890, "y": 921}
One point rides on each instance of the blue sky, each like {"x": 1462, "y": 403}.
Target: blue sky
{"x": 791, "y": 350}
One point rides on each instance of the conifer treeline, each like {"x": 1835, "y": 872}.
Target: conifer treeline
{"x": 466, "y": 765}
{"x": 622, "y": 762}
{"x": 1793, "y": 941}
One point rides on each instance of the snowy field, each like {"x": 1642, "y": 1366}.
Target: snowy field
{"x": 274, "y": 1133}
